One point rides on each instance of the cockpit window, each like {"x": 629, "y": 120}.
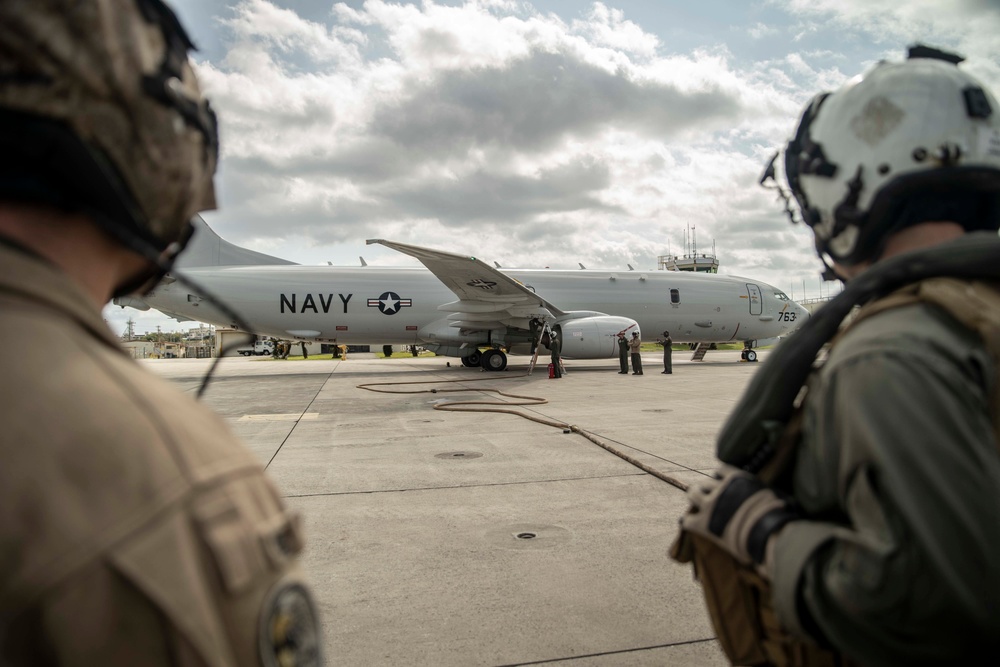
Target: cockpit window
{"x": 781, "y": 296}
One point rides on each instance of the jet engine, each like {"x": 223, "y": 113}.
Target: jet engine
{"x": 594, "y": 337}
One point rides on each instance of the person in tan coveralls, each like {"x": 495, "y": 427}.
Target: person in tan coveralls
{"x": 134, "y": 528}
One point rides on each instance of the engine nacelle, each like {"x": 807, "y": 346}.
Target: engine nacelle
{"x": 594, "y": 337}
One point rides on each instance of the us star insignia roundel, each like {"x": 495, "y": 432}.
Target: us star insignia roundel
{"x": 482, "y": 284}
{"x": 389, "y": 303}
{"x": 289, "y": 628}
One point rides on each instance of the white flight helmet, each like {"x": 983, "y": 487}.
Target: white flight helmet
{"x": 867, "y": 159}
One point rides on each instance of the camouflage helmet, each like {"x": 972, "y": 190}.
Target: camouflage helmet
{"x": 100, "y": 106}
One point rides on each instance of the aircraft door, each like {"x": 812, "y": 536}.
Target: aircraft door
{"x": 753, "y": 291}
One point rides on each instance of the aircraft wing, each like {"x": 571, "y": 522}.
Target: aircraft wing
{"x": 485, "y": 295}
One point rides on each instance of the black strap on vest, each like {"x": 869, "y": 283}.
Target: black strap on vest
{"x": 748, "y": 438}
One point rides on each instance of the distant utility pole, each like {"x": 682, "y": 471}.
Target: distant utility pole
{"x": 129, "y": 333}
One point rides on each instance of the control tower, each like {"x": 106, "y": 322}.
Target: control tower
{"x": 691, "y": 260}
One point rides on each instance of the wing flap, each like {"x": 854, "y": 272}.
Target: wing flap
{"x": 474, "y": 307}
{"x": 477, "y": 326}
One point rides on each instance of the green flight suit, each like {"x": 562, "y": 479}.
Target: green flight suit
{"x": 623, "y": 354}
{"x": 898, "y": 475}
{"x": 555, "y": 347}
{"x": 668, "y": 352}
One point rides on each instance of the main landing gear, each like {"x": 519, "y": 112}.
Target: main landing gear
{"x": 490, "y": 360}
{"x": 494, "y": 360}
{"x": 748, "y": 355}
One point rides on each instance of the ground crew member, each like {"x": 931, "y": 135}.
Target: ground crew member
{"x": 633, "y": 346}
{"x": 555, "y": 347}
{"x": 622, "y": 353}
{"x": 136, "y": 529}
{"x": 668, "y": 352}
{"x": 869, "y": 531}
{"x": 534, "y": 325}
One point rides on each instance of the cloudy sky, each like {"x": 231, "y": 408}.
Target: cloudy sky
{"x": 535, "y": 133}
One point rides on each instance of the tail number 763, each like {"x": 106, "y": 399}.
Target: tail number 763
{"x": 786, "y": 316}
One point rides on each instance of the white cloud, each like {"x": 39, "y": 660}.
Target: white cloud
{"x": 475, "y": 115}
{"x": 608, "y": 27}
{"x": 971, "y": 27}
{"x": 762, "y": 31}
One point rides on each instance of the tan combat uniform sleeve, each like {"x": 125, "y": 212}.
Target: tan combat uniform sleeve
{"x": 134, "y": 528}
{"x": 211, "y": 583}
{"x": 222, "y": 573}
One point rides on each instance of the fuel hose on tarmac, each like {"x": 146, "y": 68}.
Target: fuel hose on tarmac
{"x": 505, "y": 407}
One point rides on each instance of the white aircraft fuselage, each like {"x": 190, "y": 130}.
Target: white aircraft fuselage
{"x": 415, "y": 306}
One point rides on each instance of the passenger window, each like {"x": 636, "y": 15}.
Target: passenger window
{"x": 675, "y": 296}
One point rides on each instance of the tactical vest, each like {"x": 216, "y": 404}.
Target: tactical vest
{"x": 738, "y": 599}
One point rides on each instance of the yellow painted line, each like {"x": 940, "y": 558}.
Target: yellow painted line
{"x": 279, "y": 417}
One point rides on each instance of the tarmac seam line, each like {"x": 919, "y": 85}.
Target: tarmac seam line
{"x": 468, "y": 486}
{"x": 604, "y": 653}
{"x": 296, "y": 424}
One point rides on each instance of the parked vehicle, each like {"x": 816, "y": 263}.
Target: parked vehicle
{"x": 260, "y": 348}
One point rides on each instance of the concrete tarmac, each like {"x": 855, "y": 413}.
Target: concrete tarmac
{"x": 485, "y": 538}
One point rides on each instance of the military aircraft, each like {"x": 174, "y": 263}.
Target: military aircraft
{"x": 459, "y": 306}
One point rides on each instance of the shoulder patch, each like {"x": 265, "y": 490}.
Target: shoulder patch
{"x": 289, "y": 628}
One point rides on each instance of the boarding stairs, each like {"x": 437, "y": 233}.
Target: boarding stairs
{"x": 699, "y": 352}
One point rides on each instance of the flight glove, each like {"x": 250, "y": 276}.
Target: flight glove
{"x": 735, "y": 510}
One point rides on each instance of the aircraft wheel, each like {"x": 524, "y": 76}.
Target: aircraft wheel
{"x": 494, "y": 360}
{"x": 751, "y": 355}
{"x": 472, "y": 360}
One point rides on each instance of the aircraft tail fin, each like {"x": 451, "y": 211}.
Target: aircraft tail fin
{"x": 207, "y": 248}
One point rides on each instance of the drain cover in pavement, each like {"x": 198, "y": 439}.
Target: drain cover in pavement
{"x": 521, "y": 536}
